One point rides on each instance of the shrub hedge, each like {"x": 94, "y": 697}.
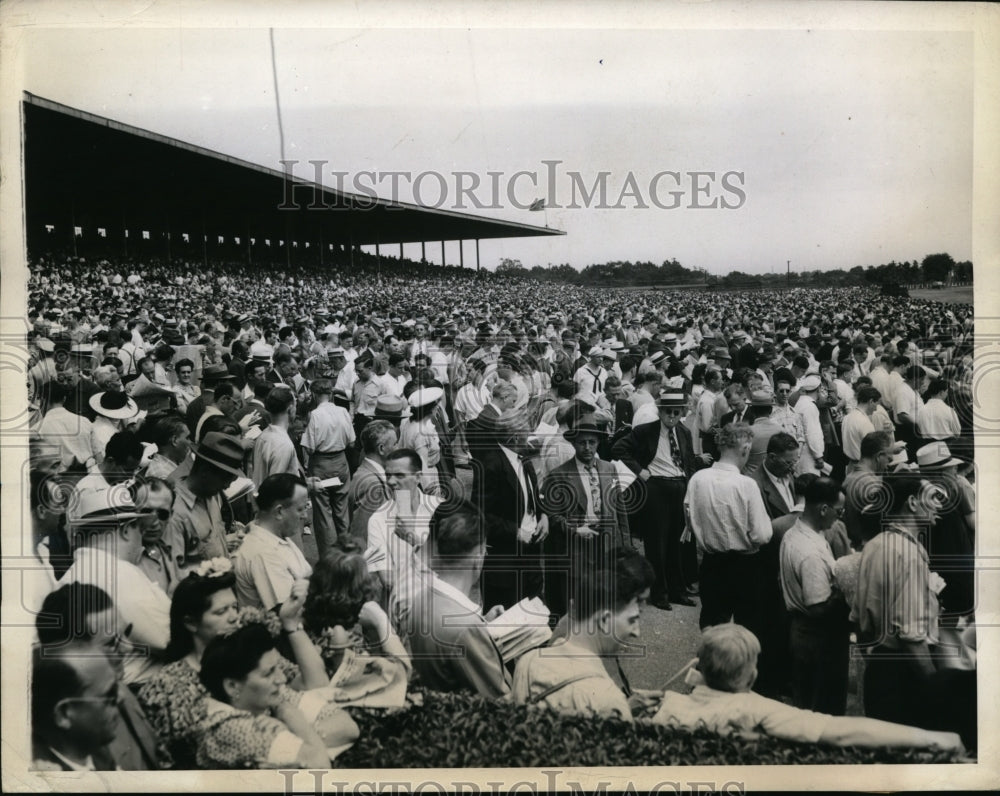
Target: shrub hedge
{"x": 464, "y": 731}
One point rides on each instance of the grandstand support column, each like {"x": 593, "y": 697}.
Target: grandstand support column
{"x": 477, "y": 254}
{"x": 461, "y": 254}
{"x": 443, "y": 262}
{"x": 124, "y": 235}
{"x": 321, "y": 247}
{"x": 378, "y": 258}
{"x": 423, "y": 252}
{"x": 249, "y": 250}
{"x": 401, "y": 251}
{"x": 72, "y": 223}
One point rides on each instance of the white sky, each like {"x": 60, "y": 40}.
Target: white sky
{"x": 856, "y": 145}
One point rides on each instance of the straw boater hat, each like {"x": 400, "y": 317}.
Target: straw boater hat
{"x": 114, "y": 405}
{"x": 936, "y": 456}
{"x": 391, "y": 407}
{"x": 669, "y": 400}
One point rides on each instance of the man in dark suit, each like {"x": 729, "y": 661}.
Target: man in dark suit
{"x": 776, "y": 482}
{"x": 515, "y": 525}
{"x": 661, "y": 454}
{"x": 369, "y": 490}
{"x": 738, "y": 412}
{"x": 774, "y": 477}
{"x": 587, "y": 517}
{"x": 480, "y": 432}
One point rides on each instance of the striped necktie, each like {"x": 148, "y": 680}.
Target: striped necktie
{"x": 595, "y": 488}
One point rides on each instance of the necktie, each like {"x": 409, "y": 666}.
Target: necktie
{"x": 675, "y": 450}
{"x": 597, "y": 384}
{"x": 595, "y": 489}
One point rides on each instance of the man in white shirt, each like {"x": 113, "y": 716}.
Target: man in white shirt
{"x": 108, "y": 557}
{"x": 71, "y": 432}
{"x": 936, "y": 420}
{"x": 819, "y": 638}
{"x": 325, "y": 441}
{"x": 726, "y": 514}
{"x": 858, "y": 423}
{"x": 398, "y": 530}
{"x": 397, "y": 375}
{"x": 267, "y": 563}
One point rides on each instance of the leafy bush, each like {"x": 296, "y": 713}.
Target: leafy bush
{"x": 459, "y": 731}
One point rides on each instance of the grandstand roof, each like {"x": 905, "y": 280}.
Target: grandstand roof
{"x": 106, "y": 173}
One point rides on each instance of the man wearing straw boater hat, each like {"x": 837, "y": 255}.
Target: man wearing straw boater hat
{"x": 661, "y": 454}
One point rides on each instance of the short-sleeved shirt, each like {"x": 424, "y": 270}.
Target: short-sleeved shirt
{"x": 725, "y": 712}
{"x": 196, "y": 530}
{"x": 894, "y": 600}
{"x": 266, "y": 566}
{"x": 806, "y": 567}
{"x": 329, "y": 430}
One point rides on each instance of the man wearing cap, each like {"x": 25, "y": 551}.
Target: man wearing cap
{"x": 811, "y": 454}
{"x": 726, "y": 515}
{"x": 591, "y": 376}
{"x": 196, "y": 530}
{"x": 586, "y": 512}
{"x": 325, "y": 442}
{"x": 661, "y": 454}
{"x": 109, "y": 528}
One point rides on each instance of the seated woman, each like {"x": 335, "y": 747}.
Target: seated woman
{"x": 727, "y": 664}
{"x": 571, "y": 674}
{"x": 203, "y": 607}
{"x": 248, "y": 721}
{"x": 340, "y": 613}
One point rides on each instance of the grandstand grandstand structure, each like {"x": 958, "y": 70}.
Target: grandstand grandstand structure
{"x": 98, "y": 187}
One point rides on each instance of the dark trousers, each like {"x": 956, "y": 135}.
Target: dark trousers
{"x": 330, "y": 519}
{"x": 894, "y": 688}
{"x": 820, "y": 651}
{"x": 730, "y": 590}
{"x": 662, "y": 523}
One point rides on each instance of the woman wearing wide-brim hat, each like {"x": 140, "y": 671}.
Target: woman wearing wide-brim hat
{"x": 418, "y": 432}
{"x": 112, "y": 408}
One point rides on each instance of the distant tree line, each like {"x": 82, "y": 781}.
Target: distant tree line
{"x": 933, "y": 268}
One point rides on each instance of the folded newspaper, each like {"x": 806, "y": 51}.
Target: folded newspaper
{"x": 521, "y": 628}
{"x": 368, "y": 681}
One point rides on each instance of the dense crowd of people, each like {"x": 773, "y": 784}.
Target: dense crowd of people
{"x": 264, "y": 499}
